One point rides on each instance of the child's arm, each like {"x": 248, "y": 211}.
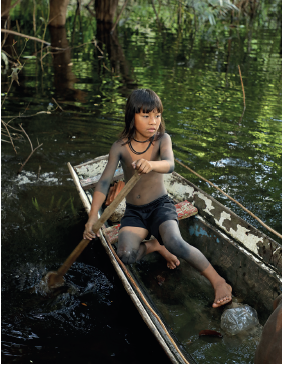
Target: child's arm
{"x": 101, "y": 190}
{"x": 165, "y": 165}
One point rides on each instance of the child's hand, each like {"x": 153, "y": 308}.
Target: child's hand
{"x": 88, "y": 232}
{"x": 143, "y": 166}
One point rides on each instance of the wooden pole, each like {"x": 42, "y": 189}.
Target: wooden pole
{"x": 55, "y": 279}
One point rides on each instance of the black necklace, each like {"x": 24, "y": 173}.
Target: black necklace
{"x": 142, "y": 152}
{"x": 142, "y": 141}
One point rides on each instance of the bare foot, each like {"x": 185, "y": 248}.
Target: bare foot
{"x": 222, "y": 294}
{"x": 172, "y": 260}
{"x": 154, "y": 246}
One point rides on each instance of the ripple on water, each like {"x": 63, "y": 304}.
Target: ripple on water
{"x": 27, "y": 177}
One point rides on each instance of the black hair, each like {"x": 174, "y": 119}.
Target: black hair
{"x": 145, "y": 100}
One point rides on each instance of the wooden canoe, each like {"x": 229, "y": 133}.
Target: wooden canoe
{"x": 247, "y": 258}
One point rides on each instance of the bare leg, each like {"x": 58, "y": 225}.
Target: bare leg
{"x": 130, "y": 249}
{"x": 173, "y": 241}
{"x": 154, "y": 246}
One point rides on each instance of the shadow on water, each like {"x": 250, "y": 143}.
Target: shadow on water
{"x": 87, "y": 319}
{"x": 195, "y": 72}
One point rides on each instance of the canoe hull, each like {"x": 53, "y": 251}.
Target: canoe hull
{"x": 237, "y": 250}
{"x": 251, "y": 279}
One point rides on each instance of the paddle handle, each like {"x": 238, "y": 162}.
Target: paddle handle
{"x": 98, "y": 224}
{"x": 112, "y": 207}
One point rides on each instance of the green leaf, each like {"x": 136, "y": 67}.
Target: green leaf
{"x": 35, "y": 203}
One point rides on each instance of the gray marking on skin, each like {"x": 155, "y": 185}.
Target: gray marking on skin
{"x": 138, "y": 196}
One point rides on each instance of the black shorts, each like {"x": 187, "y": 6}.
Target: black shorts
{"x": 150, "y": 216}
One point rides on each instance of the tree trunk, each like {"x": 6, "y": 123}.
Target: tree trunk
{"x": 6, "y": 39}
{"x": 105, "y": 10}
{"x": 58, "y": 12}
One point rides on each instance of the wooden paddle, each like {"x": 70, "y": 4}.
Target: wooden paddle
{"x": 55, "y": 279}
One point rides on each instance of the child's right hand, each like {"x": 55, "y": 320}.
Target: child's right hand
{"x": 88, "y": 232}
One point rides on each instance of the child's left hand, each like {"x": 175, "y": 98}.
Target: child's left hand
{"x": 143, "y": 166}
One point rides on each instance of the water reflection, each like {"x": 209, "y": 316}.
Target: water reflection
{"x": 64, "y": 77}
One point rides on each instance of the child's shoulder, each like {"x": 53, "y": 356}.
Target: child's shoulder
{"x": 165, "y": 135}
{"x": 118, "y": 143}
{"x": 164, "y": 138}
{"x": 117, "y": 146}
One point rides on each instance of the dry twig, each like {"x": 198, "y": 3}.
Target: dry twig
{"x": 106, "y": 67}
{"x": 21, "y": 168}
{"x": 243, "y": 96}
{"x": 26, "y": 136}
{"x": 24, "y": 36}
{"x": 32, "y": 149}
{"x": 8, "y": 10}
{"x": 242, "y": 88}
{"x": 123, "y": 7}
{"x": 58, "y": 105}
{"x": 22, "y": 116}
{"x": 7, "y": 93}
{"x": 9, "y": 136}
{"x": 159, "y": 24}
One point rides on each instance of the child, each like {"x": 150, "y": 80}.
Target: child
{"x": 144, "y": 146}
{"x": 269, "y": 349}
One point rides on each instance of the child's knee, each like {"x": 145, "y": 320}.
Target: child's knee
{"x": 177, "y": 246}
{"x": 127, "y": 256}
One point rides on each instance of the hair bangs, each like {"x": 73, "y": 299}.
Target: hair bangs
{"x": 148, "y": 102}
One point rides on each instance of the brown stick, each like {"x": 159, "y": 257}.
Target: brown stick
{"x": 7, "y": 93}
{"x": 242, "y": 87}
{"x": 22, "y": 116}
{"x": 58, "y": 105}
{"x": 24, "y": 36}
{"x": 232, "y": 199}
{"x": 39, "y": 168}
{"x": 9, "y": 136}
{"x": 26, "y": 136}
{"x": 21, "y": 168}
{"x": 8, "y": 10}
{"x": 124, "y": 5}
{"x": 55, "y": 278}
{"x": 155, "y": 12}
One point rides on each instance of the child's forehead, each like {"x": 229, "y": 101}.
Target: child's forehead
{"x": 144, "y": 110}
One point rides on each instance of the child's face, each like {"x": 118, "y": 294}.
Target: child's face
{"x": 147, "y": 124}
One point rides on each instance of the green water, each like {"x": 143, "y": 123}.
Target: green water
{"x": 195, "y": 72}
